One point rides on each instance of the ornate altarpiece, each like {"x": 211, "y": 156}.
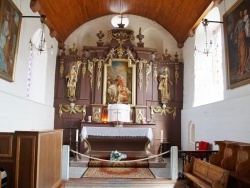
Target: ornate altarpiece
{"x": 143, "y": 94}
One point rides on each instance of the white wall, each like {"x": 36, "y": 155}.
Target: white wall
{"x": 17, "y": 112}
{"x": 155, "y": 36}
{"x": 225, "y": 120}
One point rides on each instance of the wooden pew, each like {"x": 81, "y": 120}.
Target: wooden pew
{"x": 203, "y": 174}
{"x": 234, "y": 157}
{"x": 223, "y": 152}
{"x": 242, "y": 173}
{"x": 0, "y": 179}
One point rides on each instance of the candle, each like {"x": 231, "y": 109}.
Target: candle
{"x": 161, "y": 136}
{"x": 76, "y": 135}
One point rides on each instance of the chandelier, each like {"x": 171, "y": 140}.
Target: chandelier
{"x": 120, "y": 21}
{"x": 40, "y": 45}
{"x": 208, "y": 45}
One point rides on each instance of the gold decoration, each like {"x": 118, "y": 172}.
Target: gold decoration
{"x": 176, "y": 74}
{"x": 73, "y": 49}
{"x": 140, "y": 74}
{"x": 84, "y": 69}
{"x": 164, "y": 85}
{"x": 120, "y": 49}
{"x": 148, "y": 71}
{"x": 110, "y": 35}
{"x": 61, "y": 67}
{"x": 72, "y": 108}
{"x": 120, "y": 37}
{"x": 155, "y": 74}
{"x": 162, "y": 111}
{"x": 72, "y": 78}
{"x": 90, "y": 69}
{"x": 97, "y": 115}
{"x": 122, "y": 34}
{"x": 99, "y": 72}
{"x": 139, "y": 117}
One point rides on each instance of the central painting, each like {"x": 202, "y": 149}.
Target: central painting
{"x": 119, "y": 82}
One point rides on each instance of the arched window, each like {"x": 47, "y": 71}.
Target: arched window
{"x": 36, "y": 82}
{"x": 191, "y": 133}
{"x": 208, "y": 61}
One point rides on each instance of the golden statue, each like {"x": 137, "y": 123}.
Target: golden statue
{"x": 164, "y": 85}
{"x": 71, "y": 77}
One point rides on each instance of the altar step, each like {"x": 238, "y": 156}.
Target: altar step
{"x": 153, "y": 162}
{"x": 129, "y": 183}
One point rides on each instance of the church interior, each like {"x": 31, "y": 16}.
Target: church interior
{"x": 82, "y": 79}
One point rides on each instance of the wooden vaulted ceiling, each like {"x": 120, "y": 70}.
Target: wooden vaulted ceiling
{"x": 178, "y": 17}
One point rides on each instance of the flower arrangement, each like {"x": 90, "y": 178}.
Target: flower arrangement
{"x": 117, "y": 156}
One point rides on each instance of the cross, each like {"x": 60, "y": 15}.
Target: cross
{"x": 117, "y": 115}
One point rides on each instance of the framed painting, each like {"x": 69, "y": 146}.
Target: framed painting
{"x": 237, "y": 43}
{"x": 119, "y": 82}
{"x": 10, "y": 19}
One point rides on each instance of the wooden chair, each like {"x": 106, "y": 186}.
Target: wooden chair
{"x": 201, "y": 145}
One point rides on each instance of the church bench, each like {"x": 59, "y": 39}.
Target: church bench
{"x": 234, "y": 157}
{"x": 223, "y": 152}
{"x": 242, "y": 171}
{"x": 203, "y": 174}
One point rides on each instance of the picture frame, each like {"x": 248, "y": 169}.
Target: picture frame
{"x": 10, "y": 19}
{"x": 237, "y": 44}
{"x": 119, "y": 82}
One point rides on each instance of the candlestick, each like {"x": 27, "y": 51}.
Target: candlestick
{"x": 161, "y": 136}
{"x": 77, "y": 135}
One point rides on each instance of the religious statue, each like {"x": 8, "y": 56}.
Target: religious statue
{"x": 73, "y": 49}
{"x": 166, "y": 54}
{"x": 110, "y": 54}
{"x": 139, "y": 118}
{"x": 97, "y": 115}
{"x": 164, "y": 85}
{"x": 71, "y": 78}
{"x": 129, "y": 54}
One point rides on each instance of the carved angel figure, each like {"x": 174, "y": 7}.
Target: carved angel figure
{"x": 129, "y": 54}
{"x": 110, "y": 54}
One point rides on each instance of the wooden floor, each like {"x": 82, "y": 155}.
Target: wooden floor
{"x": 104, "y": 182}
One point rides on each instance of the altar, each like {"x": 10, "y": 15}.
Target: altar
{"x": 117, "y": 138}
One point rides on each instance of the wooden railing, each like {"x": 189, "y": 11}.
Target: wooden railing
{"x": 186, "y": 157}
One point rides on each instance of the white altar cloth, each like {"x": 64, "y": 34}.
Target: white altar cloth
{"x": 117, "y": 131}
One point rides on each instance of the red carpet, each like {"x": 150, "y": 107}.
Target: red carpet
{"x": 131, "y": 173}
{"x": 109, "y": 169}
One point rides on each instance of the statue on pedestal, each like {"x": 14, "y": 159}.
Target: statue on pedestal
{"x": 164, "y": 85}
{"x": 71, "y": 78}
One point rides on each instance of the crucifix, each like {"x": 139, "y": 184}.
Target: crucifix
{"x": 117, "y": 114}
